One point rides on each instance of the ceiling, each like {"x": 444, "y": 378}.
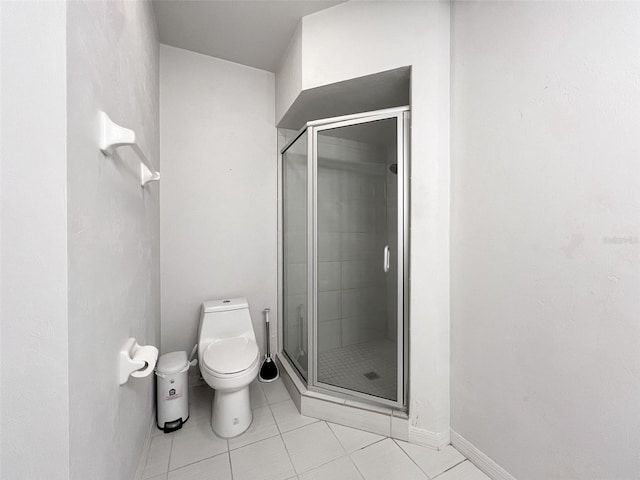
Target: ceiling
{"x": 253, "y": 33}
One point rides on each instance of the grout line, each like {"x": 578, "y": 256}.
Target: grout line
{"x": 451, "y": 468}
{"x": 315, "y": 420}
{"x": 275, "y": 421}
{"x": 169, "y": 459}
{"x": 252, "y": 443}
{"x": 197, "y": 461}
{"x": 377, "y": 441}
{"x": 288, "y": 454}
{"x": 336, "y": 437}
{"x": 256, "y": 441}
{"x": 356, "y": 465}
{"x": 412, "y": 460}
{"x": 282, "y": 401}
{"x": 230, "y": 464}
{"x": 369, "y": 445}
{"x": 346, "y": 455}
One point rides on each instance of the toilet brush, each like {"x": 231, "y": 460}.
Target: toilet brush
{"x": 269, "y": 369}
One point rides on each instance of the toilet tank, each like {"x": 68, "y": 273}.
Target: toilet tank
{"x": 224, "y": 319}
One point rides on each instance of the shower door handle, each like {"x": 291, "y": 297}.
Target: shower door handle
{"x": 386, "y": 259}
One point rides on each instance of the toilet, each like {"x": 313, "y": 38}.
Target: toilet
{"x": 229, "y": 361}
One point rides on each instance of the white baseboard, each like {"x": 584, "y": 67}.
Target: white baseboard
{"x": 145, "y": 449}
{"x": 479, "y": 459}
{"x": 427, "y": 438}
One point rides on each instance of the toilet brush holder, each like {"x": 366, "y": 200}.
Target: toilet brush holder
{"x": 269, "y": 369}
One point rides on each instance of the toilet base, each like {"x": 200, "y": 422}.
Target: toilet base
{"x": 231, "y": 413}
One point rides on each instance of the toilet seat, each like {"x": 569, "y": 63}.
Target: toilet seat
{"x": 230, "y": 355}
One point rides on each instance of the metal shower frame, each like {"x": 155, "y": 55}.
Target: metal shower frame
{"x": 402, "y": 116}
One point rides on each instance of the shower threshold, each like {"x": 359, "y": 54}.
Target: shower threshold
{"x": 352, "y": 412}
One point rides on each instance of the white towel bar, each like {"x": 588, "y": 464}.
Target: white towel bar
{"x": 113, "y": 136}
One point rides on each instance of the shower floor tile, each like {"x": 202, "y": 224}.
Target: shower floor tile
{"x": 341, "y": 453}
{"x": 369, "y": 367}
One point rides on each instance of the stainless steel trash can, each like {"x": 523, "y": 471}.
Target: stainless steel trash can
{"x": 172, "y": 373}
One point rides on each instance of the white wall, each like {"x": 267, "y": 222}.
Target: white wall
{"x": 218, "y": 192}
{"x": 545, "y": 228}
{"x": 33, "y": 255}
{"x": 1, "y": 141}
{"x": 113, "y": 232}
{"x": 289, "y": 75}
{"x": 361, "y": 38}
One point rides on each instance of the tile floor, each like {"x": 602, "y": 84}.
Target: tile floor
{"x": 281, "y": 444}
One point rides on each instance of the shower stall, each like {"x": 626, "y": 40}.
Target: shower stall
{"x": 344, "y": 255}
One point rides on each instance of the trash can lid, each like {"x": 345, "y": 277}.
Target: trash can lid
{"x": 173, "y": 362}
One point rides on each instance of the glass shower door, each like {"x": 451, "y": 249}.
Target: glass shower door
{"x": 358, "y": 262}
{"x": 295, "y": 253}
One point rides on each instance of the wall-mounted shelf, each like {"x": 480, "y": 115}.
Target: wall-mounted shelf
{"x": 113, "y": 136}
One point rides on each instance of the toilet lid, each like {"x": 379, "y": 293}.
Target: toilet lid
{"x": 230, "y": 355}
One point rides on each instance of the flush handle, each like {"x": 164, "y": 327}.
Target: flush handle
{"x": 386, "y": 259}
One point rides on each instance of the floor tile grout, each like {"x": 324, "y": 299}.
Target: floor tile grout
{"x": 280, "y": 433}
{"x": 336, "y": 437}
{"x": 230, "y": 463}
{"x": 451, "y": 468}
{"x": 346, "y": 455}
{"x": 281, "y": 401}
{"x": 169, "y": 459}
{"x": 286, "y": 450}
{"x": 395, "y": 441}
{"x": 197, "y": 461}
{"x": 283, "y": 442}
{"x": 252, "y": 443}
{"x": 355, "y": 464}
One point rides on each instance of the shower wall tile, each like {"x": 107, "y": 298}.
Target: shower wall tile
{"x": 392, "y": 322}
{"x": 329, "y": 276}
{"x": 392, "y": 305}
{"x": 329, "y": 246}
{"x": 357, "y": 217}
{"x": 351, "y": 302}
{"x": 384, "y": 221}
{"x": 296, "y": 243}
{"x": 360, "y": 273}
{"x": 295, "y": 216}
{"x": 363, "y": 301}
{"x": 360, "y": 246}
{"x": 296, "y": 306}
{"x": 352, "y": 233}
{"x": 329, "y": 305}
{"x": 359, "y": 329}
{"x": 329, "y": 215}
{"x": 364, "y": 188}
{"x": 329, "y": 183}
{"x": 329, "y": 335}
{"x": 297, "y": 278}
{"x": 292, "y": 339}
{"x": 341, "y": 150}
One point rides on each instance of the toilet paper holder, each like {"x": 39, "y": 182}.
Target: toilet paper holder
{"x": 136, "y": 360}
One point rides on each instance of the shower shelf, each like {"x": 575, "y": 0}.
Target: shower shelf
{"x": 113, "y": 136}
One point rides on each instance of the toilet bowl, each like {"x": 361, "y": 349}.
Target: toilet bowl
{"x": 229, "y": 361}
